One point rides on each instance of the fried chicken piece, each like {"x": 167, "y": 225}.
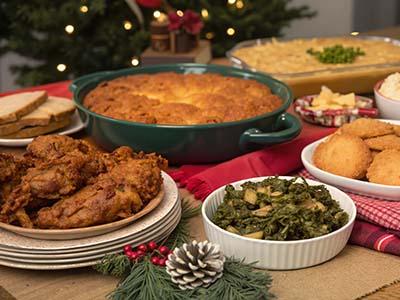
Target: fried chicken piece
{"x": 343, "y": 154}
{"x": 385, "y": 168}
{"x": 366, "y": 128}
{"x": 384, "y": 142}
{"x": 48, "y": 180}
{"x": 115, "y": 195}
{"x": 11, "y": 170}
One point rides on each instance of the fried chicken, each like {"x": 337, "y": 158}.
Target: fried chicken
{"x": 114, "y": 195}
{"x": 74, "y": 174}
{"x": 11, "y": 170}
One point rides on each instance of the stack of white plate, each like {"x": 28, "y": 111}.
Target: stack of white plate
{"x": 23, "y": 252}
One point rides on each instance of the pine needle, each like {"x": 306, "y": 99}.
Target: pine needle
{"x": 181, "y": 233}
{"x": 114, "y": 264}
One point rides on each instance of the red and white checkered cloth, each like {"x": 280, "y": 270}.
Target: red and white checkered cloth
{"x": 374, "y": 210}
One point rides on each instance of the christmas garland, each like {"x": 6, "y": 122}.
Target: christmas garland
{"x": 144, "y": 275}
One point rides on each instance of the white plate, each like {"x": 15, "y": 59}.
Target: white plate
{"x": 18, "y": 242}
{"x": 379, "y": 191}
{"x": 62, "y": 266}
{"x": 279, "y": 255}
{"x": 133, "y": 240}
{"x": 75, "y": 126}
{"x": 158, "y": 235}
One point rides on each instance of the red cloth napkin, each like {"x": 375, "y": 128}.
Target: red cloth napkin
{"x": 275, "y": 160}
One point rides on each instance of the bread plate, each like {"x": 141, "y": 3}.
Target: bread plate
{"x": 77, "y": 233}
{"x": 75, "y": 126}
{"x": 279, "y": 255}
{"x": 378, "y": 191}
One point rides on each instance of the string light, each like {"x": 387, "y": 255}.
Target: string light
{"x": 210, "y": 35}
{"x": 231, "y": 2}
{"x": 204, "y": 13}
{"x": 84, "y": 9}
{"x": 61, "y": 67}
{"x": 239, "y": 4}
{"x": 127, "y": 25}
{"x": 156, "y": 14}
{"x": 69, "y": 29}
{"x": 179, "y": 13}
{"x": 355, "y": 33}
{"x": 135, "y": 61}
{"x": 230, "y": 31}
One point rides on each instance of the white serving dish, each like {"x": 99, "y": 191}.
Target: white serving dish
{"x": 388, "y": 108}
{"x": 379, "y": 191}
{"x": 279, "y": 255}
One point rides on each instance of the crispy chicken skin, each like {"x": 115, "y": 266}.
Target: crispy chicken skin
{"x": 11, "y": 170}
{"x": 75, "y": 185}
{"x": 114, "y": 195}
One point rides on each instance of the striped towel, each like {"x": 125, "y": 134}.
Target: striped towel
{"x": 378, "y": 222}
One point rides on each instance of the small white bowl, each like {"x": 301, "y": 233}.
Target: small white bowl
{"x": 388, "y": 108}
{"x": 279, "y": 255}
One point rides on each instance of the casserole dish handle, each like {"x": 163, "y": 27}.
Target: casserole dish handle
{"x": 289, "y": 125}
{"x": 86, "y": 78}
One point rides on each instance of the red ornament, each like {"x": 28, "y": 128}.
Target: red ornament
{"x": 162, "y": 262}
{"x": 152, "y": 245}
{"x": 127, "y": 248}
{"x": 140, "y": 253}
{"x": 142, "y": 247}
{"x": 155, "y": 260}
{"x": 149, "y": 3}
{"x": 164, "y": 250}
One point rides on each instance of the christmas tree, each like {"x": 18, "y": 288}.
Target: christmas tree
{"x": 70, "y": 38}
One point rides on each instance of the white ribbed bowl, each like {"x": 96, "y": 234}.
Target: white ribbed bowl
{"x": 279, "y": 255}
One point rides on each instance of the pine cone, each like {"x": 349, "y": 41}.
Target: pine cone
{"x": 195, "y": 264}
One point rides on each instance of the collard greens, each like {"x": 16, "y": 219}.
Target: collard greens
{"x": 279, "y": 209}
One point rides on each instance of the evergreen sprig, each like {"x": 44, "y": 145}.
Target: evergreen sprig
{"x": 119, "y": 265}
{"x": 148, "y": 282}
{"x": 141, "y": 280}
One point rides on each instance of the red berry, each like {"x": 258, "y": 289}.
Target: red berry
{"x": 152, "y": 245}
{"x": 127, "y": 248}
{"x": 162, "y": 261}
{"x": 140, "y": 253}
{"x": 133, "y": 255}
{"x": 164, "y": 250}
{"x": 142, "y": 247}
{"x": 128, "y": 253}
{"x": 155, "y": 260}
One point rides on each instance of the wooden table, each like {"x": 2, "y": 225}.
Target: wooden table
{"x": 85, "y": 283}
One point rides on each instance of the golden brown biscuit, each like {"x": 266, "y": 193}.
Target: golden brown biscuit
{"x": 367, "y": 128}
{"x": 384, "y": 142}
{"x": 343, "y": 154}
{"x": 385, "y": 168}
{"x": 396, "y": 129}
{"x": 374, "y": 153}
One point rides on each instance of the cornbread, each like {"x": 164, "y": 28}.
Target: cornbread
{"x": 181, "y": 99}
{"x": 290, "y": 57}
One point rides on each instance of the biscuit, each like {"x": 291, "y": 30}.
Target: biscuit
{"x": 396, "y": 129}
{"x": 343, "y": 154}
{"x": 385, "y": 168}
{"x": 367, "y": 128}
{"x": 384, "y": 142}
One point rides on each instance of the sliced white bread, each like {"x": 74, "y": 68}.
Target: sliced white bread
{"x": 54, "y": 109}
{"x": 13, "y": 107}
{"x": 38, "y": 130}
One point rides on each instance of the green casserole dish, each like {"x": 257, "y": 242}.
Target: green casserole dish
{"x": 182, "y": 144}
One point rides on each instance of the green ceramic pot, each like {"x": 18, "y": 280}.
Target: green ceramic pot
{"x": 194, "y": 143}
